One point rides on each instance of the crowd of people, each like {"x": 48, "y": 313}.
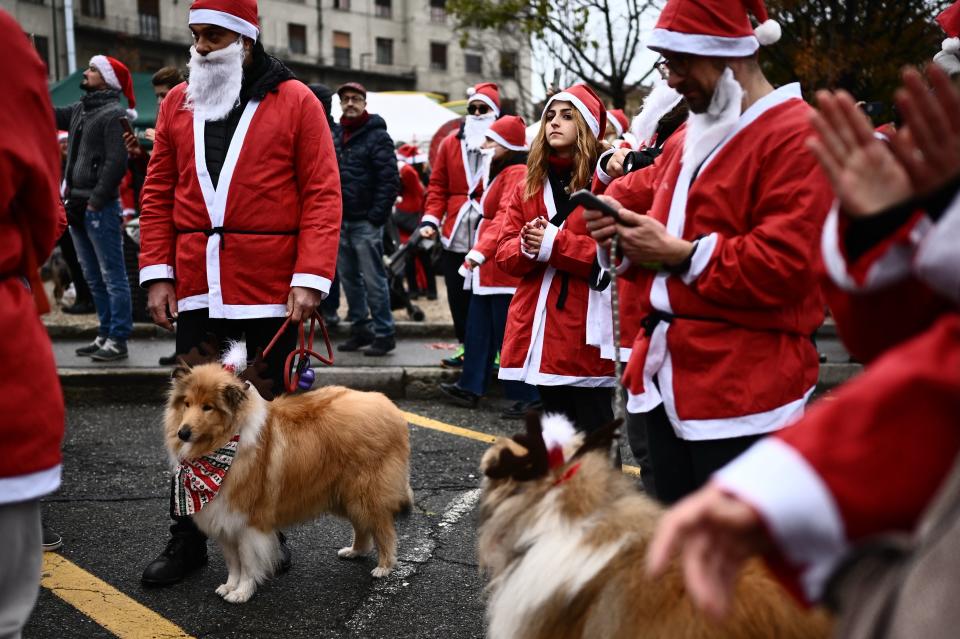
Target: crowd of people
{"x": 741, "y": 212}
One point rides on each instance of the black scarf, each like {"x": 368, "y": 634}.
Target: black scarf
{"x": 97, "y": 99}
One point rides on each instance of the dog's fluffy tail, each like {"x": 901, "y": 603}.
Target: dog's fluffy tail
{"x": 406, "y": 506}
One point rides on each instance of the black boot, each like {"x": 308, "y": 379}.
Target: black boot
{"x": 185, "y": 552}
{"x": 358, "y": 339}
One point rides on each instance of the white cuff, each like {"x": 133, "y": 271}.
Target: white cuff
{"x": 463, "y": 272}
{"x": 429, "y": 219}
{"x": 796, "y": 505}
{"x": 476, "y": 256}
{"x": 316, "y": 282}
{"x": 546, "y": 244}
{"x": 156, "y": 272}
{"x": 604, "y": 261}
{"x": 701, "y": 257}
{"x": 604, "y": 178}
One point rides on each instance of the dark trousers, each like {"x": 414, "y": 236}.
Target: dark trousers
{"x": 588, "y": 408}
{"x": 193, "y": 328}
{"x": 457, "y": 299}
{"x": 73, "y": 265}
{"x": 637, "y": 439}
{"x": 682, "y": 466}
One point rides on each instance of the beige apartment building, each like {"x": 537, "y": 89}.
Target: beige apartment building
{"x": 387, "y": 45}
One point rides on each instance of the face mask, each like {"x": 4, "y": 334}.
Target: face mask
{"x": 215, "y": 80}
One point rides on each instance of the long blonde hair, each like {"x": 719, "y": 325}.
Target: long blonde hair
{"x": 585, "y": 153}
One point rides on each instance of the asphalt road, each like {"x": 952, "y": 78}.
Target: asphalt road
{"x": 112, "y": 513}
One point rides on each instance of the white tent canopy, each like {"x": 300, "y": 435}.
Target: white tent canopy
{"x": 410, "y": 117}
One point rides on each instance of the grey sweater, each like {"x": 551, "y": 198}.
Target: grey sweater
{"x": 97, "y": 164}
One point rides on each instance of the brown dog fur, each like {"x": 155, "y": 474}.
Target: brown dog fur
{"x": 332, "y": 450}
{"x": 566, "y": 561}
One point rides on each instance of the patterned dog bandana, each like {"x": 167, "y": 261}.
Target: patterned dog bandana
{"x": 197, "y": 481}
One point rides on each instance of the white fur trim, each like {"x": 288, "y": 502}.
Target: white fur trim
{"x": 486, "y": 100}
{"x": 951, "y": 45}
{"x": 476, "y": 256}
{"x": 225, "y": 20}
{"x": 235, "y": 358}
{"x": 156, "y": 272}
{"x": 591, "y": 119}
{"x": 704, "y": 45}
{"x": 546, "y": 245}
{"x": 658, "y": 103}
{"x": 947, "y": 61}
{"x": 616, "y": 124}
{"x": 768, "y": 33}
{"x": 499, "y": 139}
{"x": 701, "y": 257}
{"x": 797, "y": 507}
{"x": 31, "y": 486}
{"x": 605, "y": 178}
{"x": 558, "y": 432}
{"x": 103, "y": 65}
{"x": 308, "y": 280}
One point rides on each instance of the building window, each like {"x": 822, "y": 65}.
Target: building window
{"x": 383, "y": 8}
{"x": 341, "y": 49}
{"x": 341, "y": 5}
{"x": 508, "y": 64}
{"x": 42, "y": 45}
{"x": 297, "y": 38}
{"x": 438, "y": 11}
{"x": 149, "y": 15}
{"x": 385, "y": 51}
{"x": 92, "y": 8}
{"x": 473, "y": 63}
{"x": 438, "y": 56}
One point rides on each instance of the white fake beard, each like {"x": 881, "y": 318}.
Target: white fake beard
{"x": 475, "y": 130}
{"x": 657, "y": 104}
{"x": 486, "y": 162}
{"x": 705, "y": 131}
{"x": 215, "y": 80}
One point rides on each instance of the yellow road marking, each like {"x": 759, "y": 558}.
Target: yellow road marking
{"x": 103, "y": 603}
{"x": 426, "y": 422}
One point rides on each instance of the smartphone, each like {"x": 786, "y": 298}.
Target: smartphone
{"x": 588, "y": 200}
{"x": 125, "y": 123}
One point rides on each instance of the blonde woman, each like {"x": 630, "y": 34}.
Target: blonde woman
{"x": 544, "y": 241}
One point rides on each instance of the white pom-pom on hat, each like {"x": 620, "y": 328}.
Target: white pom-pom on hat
{"x": 558, "y": 434}
{"x": 235, "y": 359}
{"x": 768, "y": 32}
{"x": 951, "y": 45}
{"x": 470, "y": 91}
{"x": 131, "y": 115}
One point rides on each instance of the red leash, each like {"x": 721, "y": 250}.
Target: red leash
{"x": 304, "y": 351}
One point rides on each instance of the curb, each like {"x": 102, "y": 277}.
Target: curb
{"x": 144, "y": 385}
{"x": 143, "y": 330}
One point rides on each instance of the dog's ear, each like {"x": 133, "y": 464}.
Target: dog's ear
{"x": 601, "y": 439}
{"x": 233, "y": 396}
{"x": 532, "y": 465}
{"x": 182, "y": 369}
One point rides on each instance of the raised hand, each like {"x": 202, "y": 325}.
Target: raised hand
{"x": 866, "y": 175}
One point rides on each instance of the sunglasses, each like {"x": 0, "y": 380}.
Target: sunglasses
{"x": 478, "y": 109}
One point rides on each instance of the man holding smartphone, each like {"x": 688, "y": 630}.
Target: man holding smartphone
{"x": 96, "y": 163}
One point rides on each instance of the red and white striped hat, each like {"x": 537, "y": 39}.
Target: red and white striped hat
{"x": 117, "y": 76}
{"x": 719, "y": 28}
{"x": 587, "y": 102}
{"x": 488, "y": 93}
{"x": 510, "y": 131}
{"x": 239, "y": 16}
{"x": 619, "y": 120}
{"x": 410, "y": 154}
{"x": 948, "y": 57}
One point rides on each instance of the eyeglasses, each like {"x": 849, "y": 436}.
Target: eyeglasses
{"x": 352, "y": 98}
{"x": 478, "y": 109}
{"x": 675, "y": 64}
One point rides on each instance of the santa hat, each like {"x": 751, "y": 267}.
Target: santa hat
{"x": 948, "y": 58}
{"x": 488, "y": 93}
{"x": 619, "y": 120}
{"x": 510, "y": 131}
{"x": 239, "y": 16}
{"x": 587, "y": 102}
{"x": 62, "y": 135}
{"x": 719, "y": 28}
{"x": 117, "y": 76}
{"x": 559, "y": 438}
{"x": 410, "y": 154}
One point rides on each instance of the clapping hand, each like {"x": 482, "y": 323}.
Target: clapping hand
{"x": 531, "y": 235}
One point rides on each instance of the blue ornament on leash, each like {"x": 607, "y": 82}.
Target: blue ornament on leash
{"x": 306, "y": 375}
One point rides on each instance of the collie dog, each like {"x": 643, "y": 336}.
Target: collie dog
{"x": 332, "y": 450}
{"x": 563, "y": 538}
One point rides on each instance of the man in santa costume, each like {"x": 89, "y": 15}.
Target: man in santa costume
{"x": 848, "y": 471}
{"x": 31, "y": 220}
{"x": 453, "y": 200}
{"x": 725, "y": 254}
{"x": 240, "y": 216}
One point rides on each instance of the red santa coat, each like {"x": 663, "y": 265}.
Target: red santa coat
{"x": 31, "y": 430}
{"x": 488, "y": 278}
{"x": 412, "y": 193}
{"x": 543, "y": 344}
{"x": 279, "y": 176}
{"x": 452, "y": 191}
{"x": 737, "y": 358}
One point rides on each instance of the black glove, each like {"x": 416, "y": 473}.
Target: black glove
{"x": 76, "y": 209}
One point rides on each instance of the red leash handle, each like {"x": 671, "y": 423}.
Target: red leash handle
{"x": 291, "y": 374}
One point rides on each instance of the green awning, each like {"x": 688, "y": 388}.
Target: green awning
{"x": 68, "y": 91}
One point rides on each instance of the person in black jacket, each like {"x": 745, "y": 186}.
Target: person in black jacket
{"x": 370, "y": 182}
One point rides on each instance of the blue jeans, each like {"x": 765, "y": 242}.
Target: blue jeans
{"x": 364, "y": 279}
{"x": 486, "y": 322}
{"x": 99, "y": 245}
